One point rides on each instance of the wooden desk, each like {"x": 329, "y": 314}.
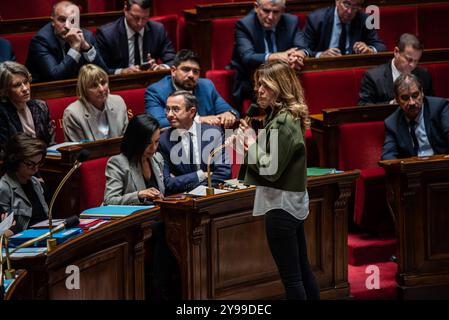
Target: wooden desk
{"x": 418, "y": 192}
{"x": 55, "y": 168}
{"x": 325, "y": 127}
{"x": 222, "y": 250}
{"x": 67, "y": 88}
{"x": 110, "y": 261}
{"x": 17, "y": 285}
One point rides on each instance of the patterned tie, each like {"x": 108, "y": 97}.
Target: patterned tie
{"x": 136, "y": 49}
{"x": 342, "y": 40}
{"x": 268, "y": 34}
{"x": 412, "y": 125}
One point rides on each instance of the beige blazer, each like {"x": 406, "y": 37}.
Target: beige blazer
{"x": 79, "y": 124}
{"x": 124, "y": 180}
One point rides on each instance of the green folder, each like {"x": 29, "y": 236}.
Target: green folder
{"x": 314, "y": 171}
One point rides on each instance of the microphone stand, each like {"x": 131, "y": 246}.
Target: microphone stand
{"x": 51, "y": 242}
{"x": 209, "y": 189}
{"x": 9, "y": 273}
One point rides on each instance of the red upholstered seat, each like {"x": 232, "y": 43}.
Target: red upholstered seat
{"x": 92, "y": 183}
{"x": 360, "y": 147}
{"x": 440, "y": 78}
{"x": 57, "y": 107}
{"x": 134, "y": 100}
{"x": 433, "y": 25}
{"x": 18, "y": 9}
{"x": 302, "y": 16}
{"x": 328, "y": 89}
{"x": 390, "y": 28}
{"x": 170, "y": 23}
{"x": 223, "y": 81}
{"x": 20, "y": 43}
{"x": 222, "y": 42}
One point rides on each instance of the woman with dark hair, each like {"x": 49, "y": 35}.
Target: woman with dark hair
{"x": 278, "y": 169}
{"x": 18, "y": 112}
{"x": 21, "y": 193}
{"x": 135, "y": 176}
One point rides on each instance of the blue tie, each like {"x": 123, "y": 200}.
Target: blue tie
{"x": 412, "y": 125}
{"x": 342, "y": 40}
{"x": 268, "y": 34}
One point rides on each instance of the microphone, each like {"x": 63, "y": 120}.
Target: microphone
{"x": 70, "y": 222}
{"x": 252, "y": 111}
{"x": 82, "y": 156}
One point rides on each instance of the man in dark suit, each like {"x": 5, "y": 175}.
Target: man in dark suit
{"x": 420, "y": 126}
{"x": 6, "y": 52}
{"x": 377, "y": 83}
{"x": 326, "y": 37}
{"x": 267, "y": 33}
{"x": 187, "y": 145}
{"x": 185, "y": 75}
{"x": 118, "y": 40}
{"x": 61, "y": 48}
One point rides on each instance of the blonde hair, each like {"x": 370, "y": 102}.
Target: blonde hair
{"x": 279, "y": 77}
{"x": 89, "y": 77}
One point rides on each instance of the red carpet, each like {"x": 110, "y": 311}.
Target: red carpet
{"x": 368, "y": 258}
{"x": 365, "y": 249}
{"x": 358, "y": 276}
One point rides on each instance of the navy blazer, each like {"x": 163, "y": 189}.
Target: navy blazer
{"x": 318, "y": 31}
{"x": 10, "y": 122}
{"x": 209, "y": 100}
{"x": 182, "y": 177}
{"x": 46, "y": 61}
{"x": 398, "y": 141}
{"x": 112, "y": 41}
{"x": 6, "y": 52}
{"x": 377, "y": 84}
{"x": 249, "y": 48}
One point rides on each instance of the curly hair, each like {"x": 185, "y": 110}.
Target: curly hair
{"x": 279, "y": 77}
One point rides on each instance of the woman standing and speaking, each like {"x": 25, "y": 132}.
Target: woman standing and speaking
{"x": 281, "y": 195}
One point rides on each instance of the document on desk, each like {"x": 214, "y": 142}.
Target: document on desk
{"x": 53, "y": 150}
{"x": 201, "y": 191}
{"x": 7, "y": 223}
{"x": 26, "y": 252}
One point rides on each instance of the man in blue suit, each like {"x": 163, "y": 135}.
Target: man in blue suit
{"x": 118, "y": 40}
{"x": 420, "y": 126}
{"x": 326, "y": 36}
{"x": 187, "y": 145}
{"x": 61, "y": 48}
{"x": 6, "y": 52}
{"x": 266, "y": 33}
{"x": 185, "y": 75}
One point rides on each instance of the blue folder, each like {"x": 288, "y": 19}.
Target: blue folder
{"x": 112, "y": 211}
{"x": 29, "y": 234}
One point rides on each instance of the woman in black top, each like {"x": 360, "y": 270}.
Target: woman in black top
{"x": 18, "y": 112}
{"x": 21, "y": 193}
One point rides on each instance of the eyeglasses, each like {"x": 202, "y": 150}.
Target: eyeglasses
{"x": 348, "y": 5}
{"x": 174, "y": 109}
{"x": 415, "y": 95}
{"x": 33, "y": 165}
